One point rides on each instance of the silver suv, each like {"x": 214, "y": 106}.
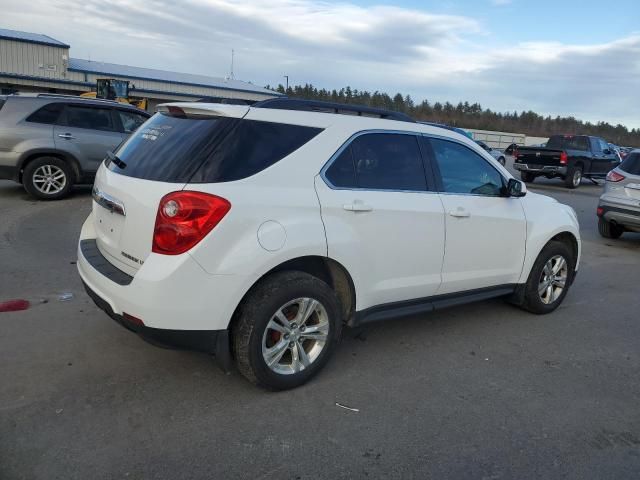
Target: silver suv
{"x": 50, "y": 142}
{"x": 619, "y": 206}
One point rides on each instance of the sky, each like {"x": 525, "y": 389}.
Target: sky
{"x": 559, "y": 57}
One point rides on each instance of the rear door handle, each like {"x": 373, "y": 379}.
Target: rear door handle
{"x": 357, "y": 206}
{"x": 459, "y": 213}
{"x": 66, "y": 136}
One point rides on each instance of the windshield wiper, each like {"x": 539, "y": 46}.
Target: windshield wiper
{"x": 114, "y": 158}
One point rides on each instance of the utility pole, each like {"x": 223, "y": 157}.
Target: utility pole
{"x": 287, "y": 77}
{"x": 231, "y": 76}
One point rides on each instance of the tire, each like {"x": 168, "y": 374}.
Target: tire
{"x": 608, "y": 229}
{"x": 502, "y": 161}
{"x": 253, "y": 332}
{"x": 48, "y": 173}
{"x": 527, "y": 177}
{"x": 573, "y": 178}
{"x": 540, "y": 303}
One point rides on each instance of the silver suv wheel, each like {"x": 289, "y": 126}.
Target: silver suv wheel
{"x": 553, "y": 279}
{"x": 49, "y": 179}
{"x": 295, "y": 336}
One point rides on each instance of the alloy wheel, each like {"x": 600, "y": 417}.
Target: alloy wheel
{"x": 553, "y": 279}
{"x": 49, "y": 179}
{"x": 295, "y": 336}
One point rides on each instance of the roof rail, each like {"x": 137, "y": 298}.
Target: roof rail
{"x": 77, "y": 97}
{"x": 285, "y": 103}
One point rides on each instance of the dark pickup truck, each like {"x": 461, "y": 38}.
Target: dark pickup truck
{"x": 569, "y": 157}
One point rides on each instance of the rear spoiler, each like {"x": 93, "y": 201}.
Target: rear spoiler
{"x": 203, "y": 110}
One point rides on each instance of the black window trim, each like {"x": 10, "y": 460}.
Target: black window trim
{"x": 438, "y": 176}
{"x": 431, "y": 187}
{"x": 117, "y": 121}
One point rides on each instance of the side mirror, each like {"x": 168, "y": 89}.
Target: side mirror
{"x": 515, "y": 188}
{"x": 607, "y": 151}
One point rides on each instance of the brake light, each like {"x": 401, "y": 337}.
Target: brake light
{"x": 563, "y": 158}
{"x": 614, "y": 176}
{"x": 184, "y": 218}
{"x": 599, "y": 211}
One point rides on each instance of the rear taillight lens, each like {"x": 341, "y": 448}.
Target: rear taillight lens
{"x": 599, "y": 211}
{"x": 563, "y": 158}
{"x": 184, "y": 218}
{"x": 614, "y": 176}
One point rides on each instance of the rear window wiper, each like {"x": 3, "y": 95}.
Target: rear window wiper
{"x": 114, "y": 158}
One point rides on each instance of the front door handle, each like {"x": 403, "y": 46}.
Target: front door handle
{"x": 459, "y": 213}
{"x": 357, "y": 206}
{"x": 66, "y": 136}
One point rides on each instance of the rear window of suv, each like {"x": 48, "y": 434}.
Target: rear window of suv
{"x": 631, "y": 164}
{"x": 211, "y": 150}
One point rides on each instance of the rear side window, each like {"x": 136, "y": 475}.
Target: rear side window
{"x": 388, "y": 161}
{"x": 91, "y": 118}
{"x": 631, "y": 164}
{"x": 568, "y": 142}
{"x": 130, "y": 120}
{"x": 341, "y": 173}
{"x": 48, "y": 114}
{"x": 181, "y": 150}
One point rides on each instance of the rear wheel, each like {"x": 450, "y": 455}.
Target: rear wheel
{"x": 550, "y": 278}
{"x": 527, "y": 177}
{"x": 47, "y": 178}
{"x": 608, "y": 229}
{"x": 574, "y": 177}
{"x": 285, "y": 330}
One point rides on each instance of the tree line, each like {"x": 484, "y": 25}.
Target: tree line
{"x": 469, "y": 115}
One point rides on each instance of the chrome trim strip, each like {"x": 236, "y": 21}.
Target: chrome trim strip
{"x": 107, "y": 201}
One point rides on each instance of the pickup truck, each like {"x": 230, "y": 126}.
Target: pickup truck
{"x": 569, "y": 157}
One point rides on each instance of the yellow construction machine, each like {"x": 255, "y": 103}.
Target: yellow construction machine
{"x": 114, "y": 89}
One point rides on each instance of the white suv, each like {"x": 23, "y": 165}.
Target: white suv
{"x": 256, "y": 232}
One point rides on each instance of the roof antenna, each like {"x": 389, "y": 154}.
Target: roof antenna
{"x": 231, "y": 75}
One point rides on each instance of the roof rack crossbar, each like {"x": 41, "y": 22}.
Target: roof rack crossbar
{"x": 331, "y": 107}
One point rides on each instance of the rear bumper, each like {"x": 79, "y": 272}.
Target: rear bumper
{"x": 620, "y": 213}
{"x": 166, "y": 293}
{"x": 9, "y": 173}
{"x": 541, "y": 169}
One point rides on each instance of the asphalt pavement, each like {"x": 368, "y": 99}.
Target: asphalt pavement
{"x": 484, "y": 391}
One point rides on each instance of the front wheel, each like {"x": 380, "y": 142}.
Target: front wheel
{"x": 47, "y": 178}
{"x": 285, "y": 330}
{"x": 550, "y": 278}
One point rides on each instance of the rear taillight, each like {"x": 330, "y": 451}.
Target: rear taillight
{"x": 614, "y": 176}
{"x": 599, "y": 211}
{"x": 563, "y": 158}
{"x": 184, "y": 218}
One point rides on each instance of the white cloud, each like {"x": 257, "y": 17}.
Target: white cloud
{"x": 386, "y": 48}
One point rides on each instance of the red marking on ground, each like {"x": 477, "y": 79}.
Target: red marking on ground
{"x": 14, "y": 305}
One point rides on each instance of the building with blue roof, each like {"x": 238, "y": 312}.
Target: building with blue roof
{"x": 33, "y": 62}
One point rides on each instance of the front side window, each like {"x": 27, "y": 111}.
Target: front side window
{"x": 464, "y": 171}
{"x": 91, "y": 118}
{"x": 48, "y": 114}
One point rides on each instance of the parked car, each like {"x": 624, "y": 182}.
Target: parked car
{"x": 494, "y": 152}
{"x": 619, "y": 206}
{"x": 51, "y": 142}
{"x": 511, "y": 149}
{"x": 256, "y": 232}
{"x": 617, "y": 150}
{"x": 569, "y": 157}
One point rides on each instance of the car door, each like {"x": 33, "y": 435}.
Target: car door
{"x": 383, "y": 220}
{"x": 88, "y": 132}
{"x": 485, "y": 231}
